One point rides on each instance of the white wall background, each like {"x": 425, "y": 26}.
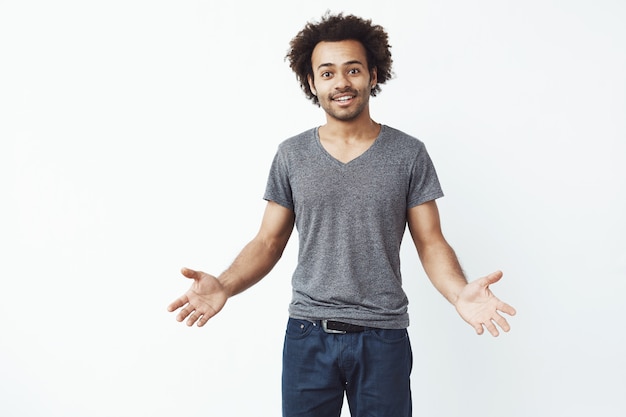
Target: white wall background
{"x": 135, "y": 138}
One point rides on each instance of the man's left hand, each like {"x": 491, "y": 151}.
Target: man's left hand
{"x": 478, "y": 306}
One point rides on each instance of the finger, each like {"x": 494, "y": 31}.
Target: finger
{"x": 179, "y": 302}
{"x": 491, "y": 328}
{"x": 505, "y": 308}
{"x": 203, "y": 320}
{"x": 501, "y": 321}
{"x": 479, "y": 328}
{"x": 493, "y": 277}
{"x": 189, "y": 273}
{"x": 193, "y": 318}
{"x": 182, "y": 315}
{"x": 206, "y": 316}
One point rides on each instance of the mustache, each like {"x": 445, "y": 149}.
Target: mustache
{"x": 343, "y": 92}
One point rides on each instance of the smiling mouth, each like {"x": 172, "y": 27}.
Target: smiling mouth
{"x": 343, "y": 99}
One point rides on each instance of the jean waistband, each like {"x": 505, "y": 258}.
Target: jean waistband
{"x": 339, "y": 327}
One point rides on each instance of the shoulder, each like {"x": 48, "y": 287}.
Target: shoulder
{"x": 298, "y": 142}
{"x": 401, "y": 141}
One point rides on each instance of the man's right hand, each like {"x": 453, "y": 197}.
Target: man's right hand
{"x": 203, "y": 300}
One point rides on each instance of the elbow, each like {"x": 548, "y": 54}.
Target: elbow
{"x": 273, "y": 247}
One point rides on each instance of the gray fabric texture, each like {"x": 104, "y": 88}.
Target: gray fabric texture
{"x": 350, "y": 219}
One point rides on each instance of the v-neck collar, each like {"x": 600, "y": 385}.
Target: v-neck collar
{"x": 361, "y": 156}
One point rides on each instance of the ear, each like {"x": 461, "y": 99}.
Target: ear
{"x": 311, "y": 84}
{"x": 373, "y": 77}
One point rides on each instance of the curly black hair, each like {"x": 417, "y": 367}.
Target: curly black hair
{"x": 334, "y": 28}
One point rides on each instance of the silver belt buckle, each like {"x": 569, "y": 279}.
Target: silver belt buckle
{"x": 332, "y": 331}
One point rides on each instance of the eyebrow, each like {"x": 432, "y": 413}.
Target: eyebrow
{"x": 328, "y": 64}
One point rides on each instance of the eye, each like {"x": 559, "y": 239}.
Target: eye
{"x": 326, "y": 74}
{"x": 354, "y": 71}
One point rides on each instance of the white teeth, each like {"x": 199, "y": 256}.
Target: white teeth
{"x": 343, "y": 98}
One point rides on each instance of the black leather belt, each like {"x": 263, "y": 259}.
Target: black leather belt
{"x": 338, "y": 327}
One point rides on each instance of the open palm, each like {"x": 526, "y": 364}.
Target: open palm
{"x": 204, "y": 299}
{"x": 479, "y": 307}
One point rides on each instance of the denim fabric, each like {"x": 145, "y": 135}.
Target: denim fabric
{"x": 371, "y": 367}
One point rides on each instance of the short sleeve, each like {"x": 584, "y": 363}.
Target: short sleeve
{"x": 278, "y": 187}
{"x": 424, "y": 184}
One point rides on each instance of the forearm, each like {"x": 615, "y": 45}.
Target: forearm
{"x": 443, "y": 269}
{"x": 253, "y": 263}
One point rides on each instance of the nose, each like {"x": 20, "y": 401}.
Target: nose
{"x": 343, "y": 82}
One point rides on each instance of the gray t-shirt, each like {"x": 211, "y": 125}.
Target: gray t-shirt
{"x": 351, "y": 218}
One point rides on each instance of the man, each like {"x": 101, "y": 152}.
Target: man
{"x": 351, "y": 187}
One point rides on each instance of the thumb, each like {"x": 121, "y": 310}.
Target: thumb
{"x": 493, "y": 277}
{"x": 190, "y": 273}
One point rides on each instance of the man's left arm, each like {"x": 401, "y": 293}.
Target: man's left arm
{"x": 474, "y": 301}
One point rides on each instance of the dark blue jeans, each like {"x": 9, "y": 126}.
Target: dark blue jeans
{"x": 371, "y": 367}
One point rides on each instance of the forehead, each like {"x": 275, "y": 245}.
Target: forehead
{"x": 338, "y": 53}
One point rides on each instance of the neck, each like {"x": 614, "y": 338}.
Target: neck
{"x": 362, "y": 127}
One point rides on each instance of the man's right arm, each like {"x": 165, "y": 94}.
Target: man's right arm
{"x": 259, "y": 256}
{"x": 208, "y": 294}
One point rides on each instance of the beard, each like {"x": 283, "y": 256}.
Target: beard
{"x": 349, "y": 113}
